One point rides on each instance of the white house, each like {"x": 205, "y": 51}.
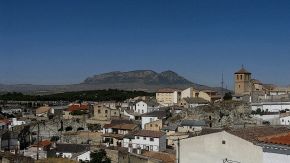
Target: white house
{"x": 271, "y": 106}
{"x": 152, "y": 116}
{"x": 147, "y": 140}
{"x": 285, "y": 120}
{"x": 86, "y": 157}
{"x": 187, "y": 93}
{"x": 69, "y": 150}
{"x": 16, "y": 122}
{"x": 220, "y": 147}
{"x": 146, "y": 107}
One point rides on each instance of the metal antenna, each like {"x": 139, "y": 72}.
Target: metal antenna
{"x": 222, "y": 84}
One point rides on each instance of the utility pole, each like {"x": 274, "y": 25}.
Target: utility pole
{"x": 178, "y": 145}
{"x": 222, "y": 84}
{"x": 37, "y": 154}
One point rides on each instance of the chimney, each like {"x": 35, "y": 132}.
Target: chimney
{"x": 130, "y": 149}
{"x": 139, "y": 151}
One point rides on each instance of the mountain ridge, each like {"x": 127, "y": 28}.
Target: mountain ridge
{"x": 144, "y": 80}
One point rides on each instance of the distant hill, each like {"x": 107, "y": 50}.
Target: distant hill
{"x": 147, "y": 77}
{"x": 142, "y": 80}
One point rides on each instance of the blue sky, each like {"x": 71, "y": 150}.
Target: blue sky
{"x": 59, "y": 42}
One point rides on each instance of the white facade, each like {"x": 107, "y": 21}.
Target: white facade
{"x": 275, "y": 158}
{"x": 217, "y": 148}
{"x": 84, "y": 157}
{"x": 187, "y": 93}
{"x": 15, "y": 122}
{"x": 285, "y": 120}
{"x": 146, "y": 143}
{"x": 64, "y": 155}
{"x": 146, "y": 120}
{"x": 141, "y": 107}
{"x": 176, "y": 97}
{"x": 271, "y": 106}
{"x": 131, "y": 117}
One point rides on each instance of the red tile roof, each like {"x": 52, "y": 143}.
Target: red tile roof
{"x": 253, "y": 134}
{"x": 43, "y": 143}
{"x": 148, "y": 133}
{"x": 281, "y": 139}
{"x": 76, "y": 107}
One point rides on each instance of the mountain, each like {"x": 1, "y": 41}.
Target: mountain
{"x": 143, "y": 80}
{"x": 147, "y": 77}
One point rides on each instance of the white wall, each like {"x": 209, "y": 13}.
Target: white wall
{"x": 187, "y": 93}
{"x": 271, "y": 106}
{"x": 146, "y": 120}
{"x": 285, "y": 121}
{"x": 141, "y": 107}
{"x": 210, "y": 149}
{"x": 159, "y": 144}
{"x": 84, "y": 157}
{"x": 176, "y": 97}
{"x": 275, "y": 158}
{"x": 131, "y": 117}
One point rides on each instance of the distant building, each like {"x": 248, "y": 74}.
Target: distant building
{"x": 168, "y": 96}
{"x": 190, "y": 102}
{"x": 146, "y": 106}
{"x": 102, "y": 112}
{"x": 242, "y": 82}
{"x": 44, "y": 111}
{"x": 146, "y": 140}
{"x": 152, "y": 116}
{"x": 113, "y": 134}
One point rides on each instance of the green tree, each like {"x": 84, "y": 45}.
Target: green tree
{"x": 54, "y": 138}
{"x": 68, "y": 128}
{"x": 100, "y": 156}
{"x": 228, "y": 96}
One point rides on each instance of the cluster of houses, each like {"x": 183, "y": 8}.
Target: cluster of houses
{"x": 143, "y": 129}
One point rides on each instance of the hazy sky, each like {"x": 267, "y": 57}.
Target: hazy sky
{"x": 57, "y": 42}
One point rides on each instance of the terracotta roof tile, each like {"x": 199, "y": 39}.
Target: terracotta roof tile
{"x": 281, "y": 139}
{"x": 77, "y": 107}
{"x": 148, "y": 133}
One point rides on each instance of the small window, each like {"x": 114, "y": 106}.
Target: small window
{"x": 156, "y": 125}
{"x": 150, "y": 125}
{"x": 99, "y": 111}
{"x": 138, "y": 137}
{"x": 151, "y": 139}
{"x": 106, "y": 111}
{"x": 223, "y": 142}
{"x": 115, "y": 113}
{"x": 144, "y": 138}
{"x": 282, "y": 120}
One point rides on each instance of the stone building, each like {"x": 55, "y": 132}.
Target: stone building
{"x": 242, "y": 82}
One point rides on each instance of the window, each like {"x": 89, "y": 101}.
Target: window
{"x": 241, "y": 77}
{"x": 142, "y": 111}
{"x": 99, "y": 111}
{"x": 144, "y": 138}
{"x": 223, "y": 142}
{"x": 156, "y": 125}
{"x": 282, "y": 120}
{"x": 115, "y": 113}
{"x": 151, "y": 139}
{"x": 239, "y": 86}
{"x": 106, "y": 111}
{"x": 237, "y": 77}
{"x": 150, "y": 125}
{"x": 137, "y": 137}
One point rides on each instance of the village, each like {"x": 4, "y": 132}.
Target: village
{"x": 248, "y": 125}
